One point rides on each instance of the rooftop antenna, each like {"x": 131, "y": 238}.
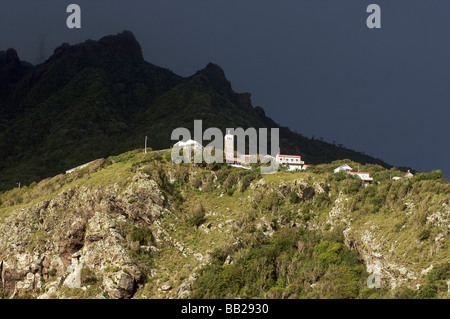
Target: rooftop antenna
{"x": 146, "y": 144}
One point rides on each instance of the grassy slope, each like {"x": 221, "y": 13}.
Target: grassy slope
{"x": 237, "y": 216}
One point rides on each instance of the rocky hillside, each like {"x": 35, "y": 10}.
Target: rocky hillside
{"x": 139, "y": 226}
{"x": 101, "y": 98}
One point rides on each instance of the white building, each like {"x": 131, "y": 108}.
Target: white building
{"x": 229, "y": 146}
{"x": 188, "y": 144}
{"x": 409, "y": 175}
{"x": 292, "y": 162}
{"x": 364, "y": 176}
{"x": 344, "y": 168}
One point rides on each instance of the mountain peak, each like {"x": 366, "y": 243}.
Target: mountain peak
{"x": 123, "y": 41}
{"x": 214, "y": 71}
{"x": 9, "y": 56}
{"x": 214, "y": 76}
{"x": 122, "y": 44}
{"x": 11, "y": 68}
{"x": 215, "y": 68}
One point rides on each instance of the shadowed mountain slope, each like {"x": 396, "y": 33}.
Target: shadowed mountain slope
{"x": 101, "y": 98}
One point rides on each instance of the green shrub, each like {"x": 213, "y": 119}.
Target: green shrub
{"x": 276, "y": 293}
{"x": 230, "y": 181}
{"x": 431, "y": 176}
{"x": 352, "y": 185}
{"x": 270, "y": 201}
{"x": 88, "y": 276}
{"x": 436, "y": 281}
{"x": 285, "y": 239}
{"x": 328, "y": 252}
{"x": 405, "y": 293}
{"x": 222, "y": 175}
{"x": 218, "y": 256}
{"x": 439, "y": 272}
{"x": 294, "y": 198}
{"x": 341, "y": 282}
{"x": 198, "y": 217}
{"x": 143, "y": 235}
{"x": 52, "y": 272}
{"x": 339, "y": 176}
{"x": 196, "y": 182}
{"x": 427, "y": 292}
{"x": 246, "y": 181}
{"x": 323, "y": 199}
{"x": 197, "y": 220}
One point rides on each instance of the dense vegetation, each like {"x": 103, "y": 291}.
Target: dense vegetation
{"x": 304, "y": 263}
{"x": 286, "y": 267}
{"x": 100, "y": 98}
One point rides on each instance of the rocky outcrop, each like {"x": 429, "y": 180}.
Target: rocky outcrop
{"x": 77, "y": 229}
{"x": 377, "y": 261}
{"x": 379, "y": 253}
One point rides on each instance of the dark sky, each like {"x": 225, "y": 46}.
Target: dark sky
{"x": 313, "y": 65}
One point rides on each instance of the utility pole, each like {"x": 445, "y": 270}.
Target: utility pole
{"x": 145, "y": 144}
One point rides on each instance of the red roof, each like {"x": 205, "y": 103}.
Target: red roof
{"x": 296, "y": 156}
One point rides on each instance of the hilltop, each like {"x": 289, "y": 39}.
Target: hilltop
{"x": 100, "y": 98}
{"x": 139, "y": 226}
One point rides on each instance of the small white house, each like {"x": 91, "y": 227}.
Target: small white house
{"x": 409, "y": 175}
{"x": 364, "y": 176}
{"x": 188, "y": 144}
{"x": 344, "y": 168}
{"x": 293, "y": 162}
